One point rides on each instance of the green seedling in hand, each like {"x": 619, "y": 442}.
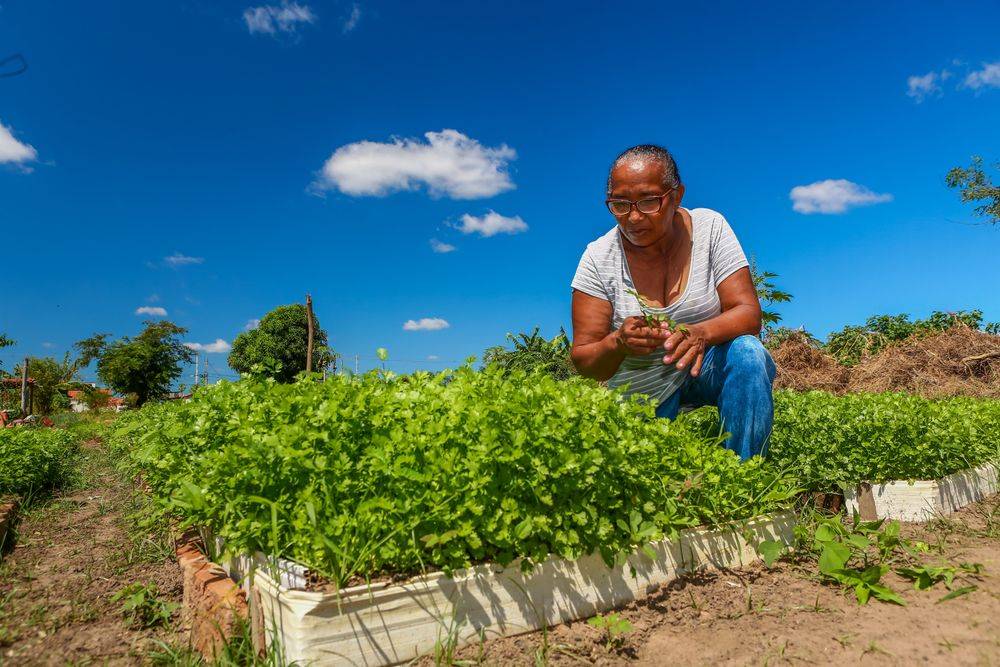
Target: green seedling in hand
{"x": 656, "y": 320}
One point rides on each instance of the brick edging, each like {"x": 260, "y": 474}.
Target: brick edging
{"x": 8, "y": 513}
{"x": 214, "y": 605}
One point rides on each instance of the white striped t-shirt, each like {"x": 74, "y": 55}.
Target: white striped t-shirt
{"x": 603, "y": 272}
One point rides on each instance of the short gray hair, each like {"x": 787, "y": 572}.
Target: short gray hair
{"x": 649, "y": 153}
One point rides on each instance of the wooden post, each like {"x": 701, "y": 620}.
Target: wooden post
{"x": 309, "y": 343}
{"x": 25, "y": 404}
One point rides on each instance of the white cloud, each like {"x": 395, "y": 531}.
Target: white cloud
{"x": 833, "y": 196}
{"x": 251, "y": 324}
{"x": 218, "y": 347}
{"x": 987, "y": 77}
{"x": 270, "y": 19}
{"x": 449, "y": 164}
{"x": 441, "y": 246}
{"x": 155, "y": 311}
{"x": 47, "y": 345}
{"x": 922, "y": 87}
{"x": 426, "y": 324}
{"x": 492, "y": 224}
{"x": 432, "y": 357}
{"x": 351, "y": 22}
{"x": 177, "y": 259}
{"x": 12, "y": 150}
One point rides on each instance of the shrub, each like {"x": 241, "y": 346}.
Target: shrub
{"x": 35, "y": 459}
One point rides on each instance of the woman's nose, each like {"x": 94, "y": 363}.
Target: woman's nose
{"x": 634, "y": 215}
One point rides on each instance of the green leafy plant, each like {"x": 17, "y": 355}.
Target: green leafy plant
{"x": 36, "y": 459}
{"x": 857, "y": 554}
{"x": 378, "y": 474}
{"x": 531, "y": 352}
{"x": 829, "y": 441}
{"x": 613, "y": 626}
{"x": 654, "y": 319}
{"x": 768, "y": 294}
{"x": 142, "y": 607}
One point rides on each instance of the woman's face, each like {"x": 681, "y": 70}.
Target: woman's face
{"x": 639, "y": 179}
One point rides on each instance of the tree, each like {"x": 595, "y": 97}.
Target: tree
{"x": 277, "y": 347}
{"x": 976, "y": 186}
{"x": 533, "y": 352}
{"x": 49, "y": 375}
{"x": 4, "y": 342}
{"x": 768, "y": 294}
{"x": 145, "y": 366}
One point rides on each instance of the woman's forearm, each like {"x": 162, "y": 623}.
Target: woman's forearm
{"x": 599, "y": 360}
{"x": 737, "y": 321}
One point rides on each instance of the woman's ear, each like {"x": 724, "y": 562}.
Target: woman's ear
{"x": 680, "y": 195}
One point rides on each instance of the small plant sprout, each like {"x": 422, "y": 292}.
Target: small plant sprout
{"x": 653, "y": 319}
{"x": 142, "y": 607}
{"x": 614, "y": 628}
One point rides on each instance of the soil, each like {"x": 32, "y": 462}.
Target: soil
{"x": 784, "y": 615}
{"x": 72, "y": 554}
{"x": 956, "y": 362}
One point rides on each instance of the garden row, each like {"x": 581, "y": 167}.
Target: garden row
{"x": 370, "y": 476}
{"x": 540, "y": 500}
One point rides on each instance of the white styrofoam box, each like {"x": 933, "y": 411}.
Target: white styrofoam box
{"x": 925, "y": 499}
{"x": 389, "y": 623}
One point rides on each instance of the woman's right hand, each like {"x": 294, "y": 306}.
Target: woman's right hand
{"x": 635, "y": 337}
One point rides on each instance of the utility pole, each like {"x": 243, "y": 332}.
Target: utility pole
{"x": 309, "y": 342}
{"x": 24, "y": 388}
{"x": 196, "y": 358}
{"x": 356, "y": 359}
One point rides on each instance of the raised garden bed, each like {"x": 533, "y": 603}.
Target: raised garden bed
{"x": 389, "y": 623}
{"x": 925, "y": 499}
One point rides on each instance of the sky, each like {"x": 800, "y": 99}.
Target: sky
{"x": 431, "y": 172}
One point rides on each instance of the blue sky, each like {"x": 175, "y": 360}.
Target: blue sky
{"x": 209, "y": 133}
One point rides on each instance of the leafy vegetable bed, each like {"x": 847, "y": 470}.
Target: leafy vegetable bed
{"x": 373, "y": 475}
{"x": 35, "y": 459}
{"x": 829, "y": 440}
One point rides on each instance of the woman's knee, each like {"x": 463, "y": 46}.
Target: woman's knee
{"x": 747, "y": 354}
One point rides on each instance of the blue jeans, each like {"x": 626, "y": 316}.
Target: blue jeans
{"x": 736, "y": 377}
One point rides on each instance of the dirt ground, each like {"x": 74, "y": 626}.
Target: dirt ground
{"x": 784, "y": 615}
{"x": 72, "y": 554}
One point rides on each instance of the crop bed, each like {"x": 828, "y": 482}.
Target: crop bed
{"x": 378, "y": 476}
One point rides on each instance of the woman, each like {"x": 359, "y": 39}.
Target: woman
{"x": 685, "y": 264}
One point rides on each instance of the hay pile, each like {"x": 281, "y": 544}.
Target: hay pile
{"x": 803, "y": 366}
{"x": 956, "y": 362}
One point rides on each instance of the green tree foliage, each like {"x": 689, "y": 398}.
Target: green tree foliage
{"x": 533, "y": 352}
{"x": 277, "y": 347}
{"x": 852, "y": 343}
{"x": 4, "y": 342}
{"x": 976, "y": 186}
{"x": 144, "y": 367}
{"x": 769, "y": 294}
{"x": 50, "y": 375}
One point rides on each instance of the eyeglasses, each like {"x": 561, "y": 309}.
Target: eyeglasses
{"x": 622, "y": 207}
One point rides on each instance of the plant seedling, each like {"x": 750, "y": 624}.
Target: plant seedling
{"x": 142, "y": 606}
{"x": 614, "y": 627}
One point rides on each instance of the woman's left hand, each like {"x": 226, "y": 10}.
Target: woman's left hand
{"x": 686, "y": 349}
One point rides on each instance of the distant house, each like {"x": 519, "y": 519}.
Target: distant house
{"x": 78, "y": 400}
